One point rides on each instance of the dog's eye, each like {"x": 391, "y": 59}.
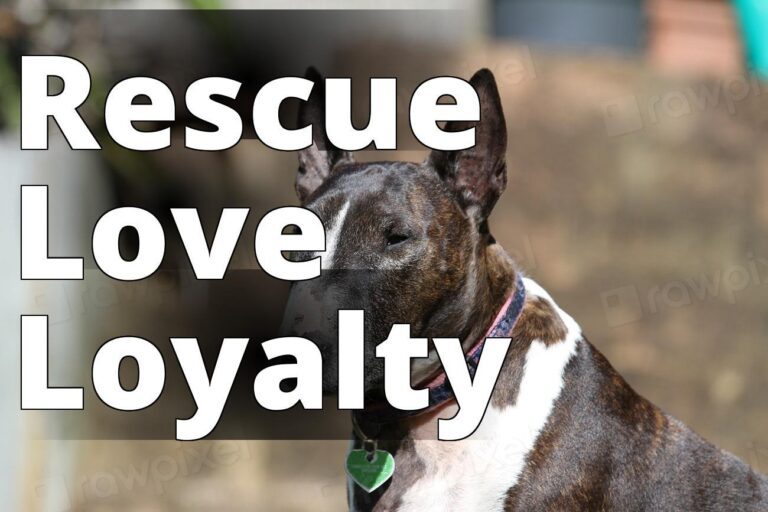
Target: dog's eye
{"x": 396, "y": 238}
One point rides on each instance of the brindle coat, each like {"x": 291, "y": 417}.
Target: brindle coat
{"x": 602, "y": 446}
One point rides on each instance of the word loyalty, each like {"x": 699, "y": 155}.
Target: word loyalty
{"x": 210, "y": 393}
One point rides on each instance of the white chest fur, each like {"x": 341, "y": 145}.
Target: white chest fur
{"x": 477, "y": 473}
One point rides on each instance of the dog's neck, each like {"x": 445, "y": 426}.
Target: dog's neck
{"x": 494, "y": 282}
{"x": 467, "y": 315}
{"x": 532, "y": 378}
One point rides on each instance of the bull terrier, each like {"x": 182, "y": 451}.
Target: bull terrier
{"x": 563, "y": 430}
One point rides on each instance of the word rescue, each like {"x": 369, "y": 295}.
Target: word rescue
{"x": 121, "y": 111}
{"x": 210, "y": 262}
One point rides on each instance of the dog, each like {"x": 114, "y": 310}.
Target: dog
{"x": 563, "y": 430}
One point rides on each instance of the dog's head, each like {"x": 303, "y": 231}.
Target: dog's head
{"x": 405, "y": 242}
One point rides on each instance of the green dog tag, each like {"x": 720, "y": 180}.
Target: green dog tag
{"x": 370, "y": 475}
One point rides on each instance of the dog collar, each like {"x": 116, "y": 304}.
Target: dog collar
{"x": 439, "y": 387}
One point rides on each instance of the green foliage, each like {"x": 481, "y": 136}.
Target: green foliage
{"x": 10, "y": 94}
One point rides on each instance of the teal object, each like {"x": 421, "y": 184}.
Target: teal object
{"x": 753, "y": 15}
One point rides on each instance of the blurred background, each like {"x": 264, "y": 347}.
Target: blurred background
{"x": 638, "y": 196}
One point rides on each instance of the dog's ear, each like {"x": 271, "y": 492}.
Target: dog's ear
{"x": 478, "y": 175}
{"x": 317, "y": 161}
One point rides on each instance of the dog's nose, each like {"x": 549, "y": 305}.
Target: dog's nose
{"x": 303, "y": 312}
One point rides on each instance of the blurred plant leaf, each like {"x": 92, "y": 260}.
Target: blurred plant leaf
{"x": 205, "y": 4}
{"x": 10, "y": 93}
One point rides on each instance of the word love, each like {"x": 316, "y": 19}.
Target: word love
{"x": 207, "y": 262}
{"x": 210, "y": 394}
{"x": 122, "y": 110}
